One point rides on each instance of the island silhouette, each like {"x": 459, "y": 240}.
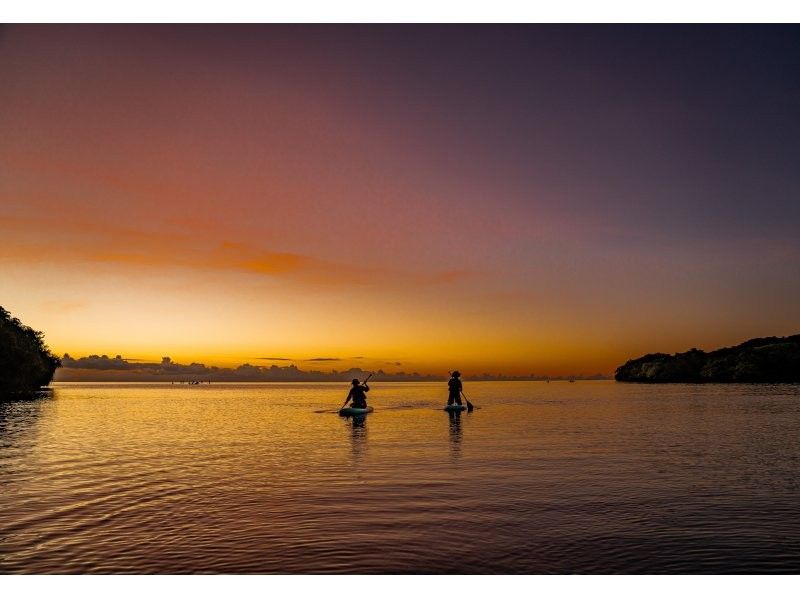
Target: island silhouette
{"x": 770, "y": 360}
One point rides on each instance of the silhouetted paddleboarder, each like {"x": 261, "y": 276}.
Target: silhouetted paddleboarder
{"x": 454, "y": 387}
{"x": 456, "y": 390}
{"x": 358, "y": 394}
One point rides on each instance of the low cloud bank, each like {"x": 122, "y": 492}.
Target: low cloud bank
{"x": 102, "y": 368}
{"x": 105, "y": 368}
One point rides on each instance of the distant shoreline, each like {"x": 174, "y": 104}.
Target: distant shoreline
{"x": 102, "y": 368}
{"x": 317, "y": 381}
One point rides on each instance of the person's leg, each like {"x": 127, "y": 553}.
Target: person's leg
{"x": 450, "y": 399}
{"x": 458, "y": 399}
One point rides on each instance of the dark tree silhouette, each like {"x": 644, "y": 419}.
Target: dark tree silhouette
{"x": 26, "y": 364}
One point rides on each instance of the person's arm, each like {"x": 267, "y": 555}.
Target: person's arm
{"x": 366, "y": 388}
{"x": 460, "y": 386}
{"x": 349, "y": 397}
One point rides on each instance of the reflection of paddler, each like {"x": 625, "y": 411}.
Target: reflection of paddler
{"x": 358, "y": 435}
{"x": 455, "y": 426}
{"x": 455, "y": 433}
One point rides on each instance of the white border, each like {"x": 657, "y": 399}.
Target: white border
{"x": 378, "y": 586}
{"x": 408, "y": 11}
{"x": 436, "y": 11}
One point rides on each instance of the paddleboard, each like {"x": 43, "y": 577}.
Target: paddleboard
{"x": 455, "y": 408}
{"x": 354, "y": 411}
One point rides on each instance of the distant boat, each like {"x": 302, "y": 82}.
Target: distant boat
{"x": 572, "y": 378}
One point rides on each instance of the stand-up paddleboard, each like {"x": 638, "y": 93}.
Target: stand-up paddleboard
{"x": 354, "y": 411}
{"x": 455, "y": 408}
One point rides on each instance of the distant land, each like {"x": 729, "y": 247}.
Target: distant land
{"x": 102, "y": 368}
{"x": 771, "y": 359}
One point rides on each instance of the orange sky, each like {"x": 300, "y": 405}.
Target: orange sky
{"x": 408, "y": 198}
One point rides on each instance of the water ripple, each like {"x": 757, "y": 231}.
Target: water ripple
{"x": 545, "y": 478}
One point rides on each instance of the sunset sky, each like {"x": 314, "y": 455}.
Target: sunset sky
{"x": 540, "y": 199}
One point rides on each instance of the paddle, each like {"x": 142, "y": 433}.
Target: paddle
{"x": 364, "y": 382}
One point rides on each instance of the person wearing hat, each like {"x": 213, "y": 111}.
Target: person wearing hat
{"x": 455, "y": 388}
{"x": 358, "y": 394}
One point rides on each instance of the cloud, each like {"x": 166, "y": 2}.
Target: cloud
{"x": 103, "y": 367}
{"x": 96, "y": 362}
{"x": 49, "y": 240}
{"x": 69, "y": 241}
{"x": 324, "y": 359}
{"x": 275, "y": 358}
{"x": 64, "y": 307}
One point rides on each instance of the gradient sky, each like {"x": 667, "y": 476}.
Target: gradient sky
{"x": 505, "y": 199}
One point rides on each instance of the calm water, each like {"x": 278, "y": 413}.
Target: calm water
{"x": 591, "y": 477}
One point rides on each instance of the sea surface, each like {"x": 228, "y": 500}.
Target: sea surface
{"x": 585, "y": 477}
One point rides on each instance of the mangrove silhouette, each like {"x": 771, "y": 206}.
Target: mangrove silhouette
{"x": 772, "y": 360}
{"x": 26, "y": 364}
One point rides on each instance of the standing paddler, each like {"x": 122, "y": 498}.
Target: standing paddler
{"x": 454, "y": 388}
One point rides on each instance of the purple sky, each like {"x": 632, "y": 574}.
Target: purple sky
{"x": 548, "y": 199}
